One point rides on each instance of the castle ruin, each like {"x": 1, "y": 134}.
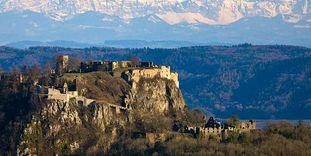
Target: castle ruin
{"x": 62, "y": 64}
{"x": 135, "y": 75}
{"x": 221, "y": 130}
{"x": 131, "y": 71}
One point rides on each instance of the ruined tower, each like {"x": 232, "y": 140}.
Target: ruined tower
{"x": 62, "y": 64}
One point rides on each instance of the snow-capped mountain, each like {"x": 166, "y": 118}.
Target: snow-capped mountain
{"x": 171, "y": 11}
{"x": 220, "y": 21}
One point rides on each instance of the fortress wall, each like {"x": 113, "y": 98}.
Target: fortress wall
{"x": 124, "y": 64}
{"x": 85, "y": 100}
{"x": 174, "y": 77}
{"x": 114, "y": 65}
{"x": 246, "y": 126}
{"x": 137, "y": 74}
{"x": 73, "y": 93}
{"x": 210, "y": 131}
{"x": 57, "y": 95}
{"x": 163, "y": 72}
{"x": 53, "y": 91}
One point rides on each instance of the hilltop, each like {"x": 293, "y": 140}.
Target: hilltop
{"x": 250, "y": 80}
{"x": 100, "y": 86}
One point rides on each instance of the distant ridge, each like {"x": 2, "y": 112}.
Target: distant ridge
{"x": 67, "y": 44}
{"x": 110, "y": 43}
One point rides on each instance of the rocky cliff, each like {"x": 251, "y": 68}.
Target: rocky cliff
{"x": 156, "y": 95}
{"x": 61, "y": 127}
{"x": 68, "y": 128}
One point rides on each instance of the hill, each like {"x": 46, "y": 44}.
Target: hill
{"x": 252, "y": 81}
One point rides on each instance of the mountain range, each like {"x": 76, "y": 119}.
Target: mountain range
{"x": 225, "y": 21}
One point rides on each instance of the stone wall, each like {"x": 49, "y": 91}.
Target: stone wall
{"x": 221, "y": 132}
{"x": 55, "y": 94}
{"x": 62, "y": 64}
{"x": 110, "y": 66}
{"x": 174, "y": 77}
{"x": 149, "y": 73}
{"x": 206, "y": 132}
{"x": 246, "y": 126}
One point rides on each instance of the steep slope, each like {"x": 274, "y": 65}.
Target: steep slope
{"x": 51, "y": 126}
{"x": 152, "y": 95}
{"x": 68, "y": 128}
{"x": 100, "y": 86}
{"x": 157, "y": 95}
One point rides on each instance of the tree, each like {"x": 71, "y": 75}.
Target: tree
{"x": 55, "y": 60}
{"x": 1, "y": 72}
{"x": 35, "y": 72}
{"x": 135, "y": 60}
{"x": 59, "y": 66}
{"x": 47, "y": 73}
{"x": 15, "y": 72}
{"x": 233, "y": 121}
{"x": 15, "y": 79}
{"x": 196, "y": 117}
{"x": 74, "y": 64}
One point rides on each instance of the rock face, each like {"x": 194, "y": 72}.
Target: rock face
{"x": 61, "y": 127}
{"x": 65, "y": 126}
{"x": 157, "y": 95}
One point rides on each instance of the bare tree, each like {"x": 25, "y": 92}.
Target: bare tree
{"x": 233, "y": 121}
{"x": 15, "y": 71}
{"x": 15, "y": 78}
{"x": 135, "y": 60}
{"x": 56, "y": 61}
{"x": 1, "y": 70}
{"x": 47, "y": 73}
{"x": 74, "y": 64}
{"x": 35, "y": 72}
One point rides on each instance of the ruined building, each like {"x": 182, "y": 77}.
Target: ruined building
{"x": 131, "y": 71}
{"x": 62, "y": 64}
{"x": 135, "y": 75}
{"x": 220, "y": 130}
{"x": 111, "y": 66}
